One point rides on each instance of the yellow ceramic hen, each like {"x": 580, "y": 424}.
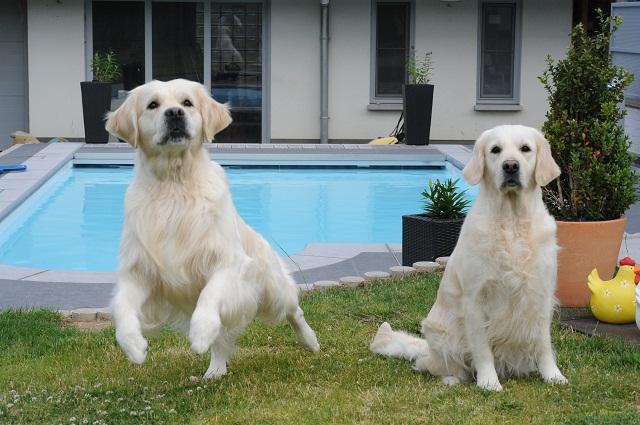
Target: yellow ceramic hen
{"x": 612, "y": 301}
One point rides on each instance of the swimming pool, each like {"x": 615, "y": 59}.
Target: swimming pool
{"x": 74, "y": 221}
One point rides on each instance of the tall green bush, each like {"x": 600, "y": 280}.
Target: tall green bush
{"x": 583, "y": 126}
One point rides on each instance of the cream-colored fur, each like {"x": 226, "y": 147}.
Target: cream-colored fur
{"x": 187, "y": 259}
{"x": 492, "y": 315}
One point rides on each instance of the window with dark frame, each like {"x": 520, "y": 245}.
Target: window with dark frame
{"x": 497, "y": 51}
{"x": 392, "y": 44}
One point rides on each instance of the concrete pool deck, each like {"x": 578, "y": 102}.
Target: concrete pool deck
{"x": 67, "y": 290}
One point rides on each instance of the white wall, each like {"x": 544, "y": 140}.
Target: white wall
{"x": 449, "y": 31}
{"x": 295, "y": 69}
{"x": 56, "y": 67}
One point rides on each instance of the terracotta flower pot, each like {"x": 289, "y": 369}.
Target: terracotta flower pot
{"x": 584, "y": 246}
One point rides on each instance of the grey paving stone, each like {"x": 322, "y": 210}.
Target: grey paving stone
{"x": 398, "y": 271}
{"x": 376, "y": 275}
{"x": 323, "y": 284}
{"x": 84, "y": 315}
{"x": 54, "y": 295}
{"x": 426, "y": 266}
{"x": 352, "y": 281}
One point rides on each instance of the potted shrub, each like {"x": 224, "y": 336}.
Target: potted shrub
{"x": 597, "y": 184}
{"x": 434, "y": 234}
{"x": 417, "y": 101}
{"x": 96, "y": 96}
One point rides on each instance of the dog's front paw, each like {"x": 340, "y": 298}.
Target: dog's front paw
{"x": 489, "y": 381}
{"x": 133, "y": 344}
{"x": 555, "y": 378}
{"x": 203, "y": 331}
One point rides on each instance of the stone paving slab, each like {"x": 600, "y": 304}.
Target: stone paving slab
{"x": 53, "y": 295}
{"x": 591, "y": 326}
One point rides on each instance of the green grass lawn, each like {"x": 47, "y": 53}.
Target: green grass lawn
{"x": 54, "y": 373}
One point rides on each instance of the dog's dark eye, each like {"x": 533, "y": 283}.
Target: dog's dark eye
{"x": 152, "y": 105}
{"x": 187, "y": 103}
{"x": 496, "y": 149}
{"x": 525, "y": 148}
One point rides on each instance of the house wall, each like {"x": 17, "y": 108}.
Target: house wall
{"x": 56, "y": 66}
{"x": 450, "y": 31}
{"x": 56, "y": 58}
{"x": 295, "y": 69}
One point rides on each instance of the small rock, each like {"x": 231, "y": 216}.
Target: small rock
{"x": 306, "y": 287}
{"x": 397, "y": 271}
{"x": 376, "y": 275}
{"x": 426, "y": 266}
{"x": 65, "y": 313}
{"x": 84, "y": 315}
{"x": 442, "y": 261}
{"x": 322, "y": 284}
{"x": 352, "y": 281}
{"x": 103, "y": 313}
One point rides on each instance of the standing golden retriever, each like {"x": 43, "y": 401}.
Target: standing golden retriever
{"x": 186, "y": 257}
{"x": 492, "y": 315}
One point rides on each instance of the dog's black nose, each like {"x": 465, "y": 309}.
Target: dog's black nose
{"x": 510, "y": 166}
{"x": 174, "y": 112}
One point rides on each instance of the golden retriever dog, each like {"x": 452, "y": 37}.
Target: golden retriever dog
{"x": 492, "y": 314}
{"x": 187, "y": 259}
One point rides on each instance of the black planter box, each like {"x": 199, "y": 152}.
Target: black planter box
{"x": 425, "y": 238}
{"x": 417, "y": 100}
{"x": 96, "y": 102}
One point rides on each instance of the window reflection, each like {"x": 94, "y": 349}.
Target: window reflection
{"x": 236, "y": 68}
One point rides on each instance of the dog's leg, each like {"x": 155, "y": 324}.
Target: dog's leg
{"x": 305, "y": 335}
{"x": 126, "y": 306}
{"x": 221, "y": 351}
{"x": 544, "y": 354}
{"x": 486, "y": 375}
{"x": 205, "y": 321}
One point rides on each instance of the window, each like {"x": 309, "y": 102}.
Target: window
{"x": 217, "y": 43}
{"x": 499, "y": 53}
{"x": 118, "y": 27}
{"x": 178, "y": 40}
{"x": 391, "y": 45}
{"x": 236, "y": 67}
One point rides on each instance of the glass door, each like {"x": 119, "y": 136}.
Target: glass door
{"x": 236, "y": 68}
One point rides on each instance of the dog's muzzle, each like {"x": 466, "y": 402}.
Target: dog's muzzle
{"x": 511, "y": 171}
{"x": 175, "y": 124}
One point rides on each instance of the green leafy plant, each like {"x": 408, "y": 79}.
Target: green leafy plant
{"x": 105, "y": 66}
{"x": 420, "y": 70}
{"x": 584, "y": 131}
{"x": 444, "y": 200}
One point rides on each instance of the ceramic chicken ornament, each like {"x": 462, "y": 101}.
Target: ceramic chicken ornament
{"x": 638, "y": 306}
{"x": 613, "y": 301}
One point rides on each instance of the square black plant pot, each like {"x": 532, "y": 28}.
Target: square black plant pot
{"x": 417, "y": 101}
{"x": 96, "y": 102}
{"x": 425, "y": 238}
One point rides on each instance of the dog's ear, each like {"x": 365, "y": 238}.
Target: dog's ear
{"x": 215, "y": 116}
{"x": 123, "y": 122}
{"x": 546, "y": 168}
{"x": 474, "y": 170}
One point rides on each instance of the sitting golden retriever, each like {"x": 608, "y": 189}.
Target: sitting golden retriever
{"x": 187, "y": 259}
{"x": 492, "y": 315}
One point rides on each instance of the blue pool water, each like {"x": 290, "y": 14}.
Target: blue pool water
{"x": 74, "y": 221}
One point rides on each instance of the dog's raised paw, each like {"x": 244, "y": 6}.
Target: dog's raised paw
{"x": 134, "y": 346}
{"x": 202, "y": 333}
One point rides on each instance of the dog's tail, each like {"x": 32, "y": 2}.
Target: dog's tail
{"x": 388, "y": 342}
